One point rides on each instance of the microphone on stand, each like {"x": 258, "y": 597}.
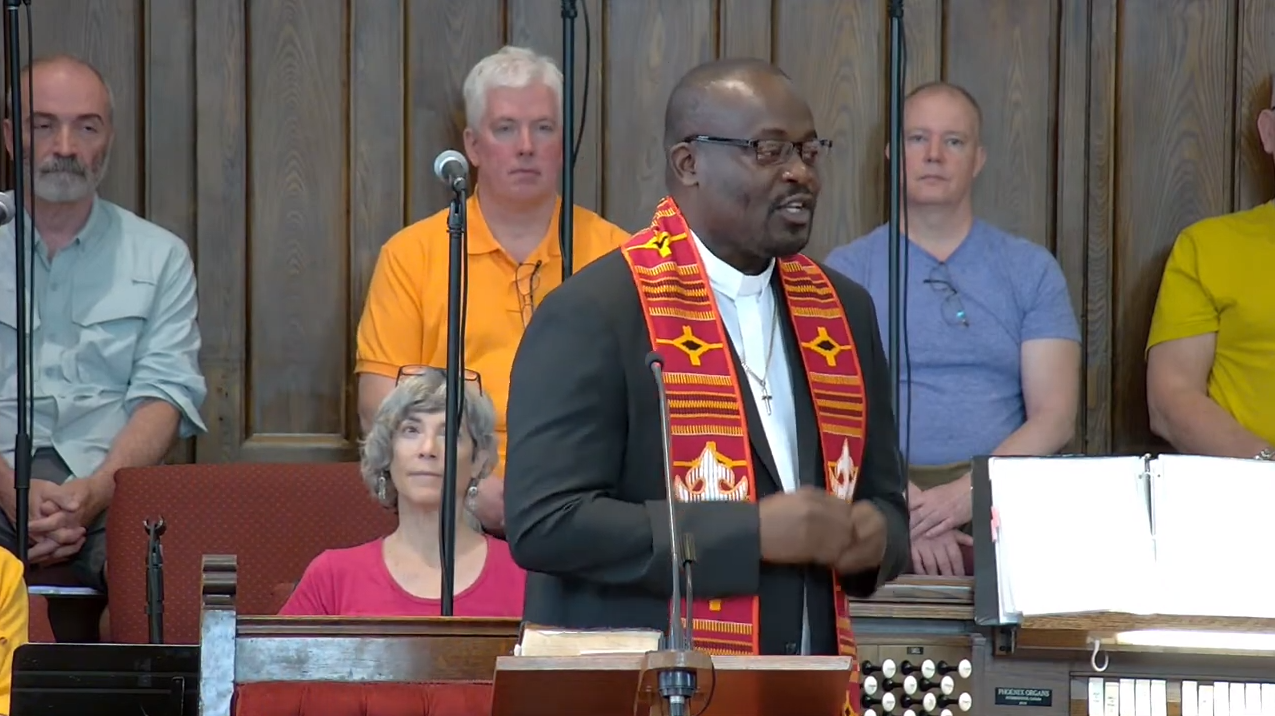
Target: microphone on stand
{"x": 453, "y": 170}
{"x": 23, "y": 169}
{"x": 155, "y": 580}
{"x": 677, "y": 679}
{"x": 8, "y": 210}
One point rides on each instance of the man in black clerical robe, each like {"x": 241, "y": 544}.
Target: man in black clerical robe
{"x": 585, "y": 491}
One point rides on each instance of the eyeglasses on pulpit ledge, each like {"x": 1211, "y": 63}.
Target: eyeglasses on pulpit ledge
{"x": 1116, "y": 585}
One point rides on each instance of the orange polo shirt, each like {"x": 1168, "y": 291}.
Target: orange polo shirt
{"x": 405, "y": 317}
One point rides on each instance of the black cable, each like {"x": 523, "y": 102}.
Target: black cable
{"x": 905, "y": 266}
{"x": 712, "y": 689}
{"x": 572, "y": 137}
{"x": 30, "y": 207}
{"x": 584, "y": 100}
{"x": 23, "y": 174}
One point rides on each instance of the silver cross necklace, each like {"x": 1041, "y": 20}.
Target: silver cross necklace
{"x": 766, "y": 396}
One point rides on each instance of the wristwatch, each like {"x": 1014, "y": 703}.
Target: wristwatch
{"x": 1266, "y": 454}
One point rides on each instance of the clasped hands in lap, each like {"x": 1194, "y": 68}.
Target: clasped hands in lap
{"x": 59, "y": 518}
{"x": 810, "y": 526}
{"x": 937, "y": 515}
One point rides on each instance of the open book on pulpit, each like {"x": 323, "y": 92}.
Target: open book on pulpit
{"x": 1169, "y": 535}
{"x": 549, "y": 641}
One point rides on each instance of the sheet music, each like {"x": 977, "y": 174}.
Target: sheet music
{"x": 1055, "y": 516}
{"x": 1211, "y": 515}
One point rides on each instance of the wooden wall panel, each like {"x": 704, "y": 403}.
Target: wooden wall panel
{"x": 298, "y": 238}
{"x": 221, "y": 226}
{"x": 287, "y": 140}
{"x": 1175, "y": 133}
{"x": 650, "y": 45}
{"x": 1020, "y": 40}
{"x": 843, "y": 83}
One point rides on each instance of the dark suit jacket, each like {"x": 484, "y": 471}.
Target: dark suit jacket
{"x": 585, "y": 506}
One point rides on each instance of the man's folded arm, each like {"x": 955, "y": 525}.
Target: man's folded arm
{"x": 568, "y": 424}
{"x": 881, "y": 478}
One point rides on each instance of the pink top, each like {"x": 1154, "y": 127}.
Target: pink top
{"x": 354, "y": 582}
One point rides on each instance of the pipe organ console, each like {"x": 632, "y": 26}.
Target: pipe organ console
{"x": 923, "y": 653}
{"x": 918, "y": 648}
{"x": 919, "y": 691}
{"x": 1118, "y": 664}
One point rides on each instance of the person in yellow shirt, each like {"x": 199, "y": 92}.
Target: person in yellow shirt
{"x": 514, "y": 138}
{"x": 1211, "y": 349}
{"x": 14, "y": 621}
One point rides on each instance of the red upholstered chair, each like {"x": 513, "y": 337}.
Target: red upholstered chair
{"x": 275, "y": 517}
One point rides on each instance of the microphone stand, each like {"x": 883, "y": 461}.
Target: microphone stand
{"x": 678, "y": 664}
{"x": 566, "y": 218}
{"x": 22, "y": 446}
{"x": 155, "y": 580}
{"x": 457, "y": 289}
{"x": 896, "y": 250}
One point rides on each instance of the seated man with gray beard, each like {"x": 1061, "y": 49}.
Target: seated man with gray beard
{"x": 114, "y": 341}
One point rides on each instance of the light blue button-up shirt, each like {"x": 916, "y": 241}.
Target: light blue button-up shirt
{"x": 114, "y": 325}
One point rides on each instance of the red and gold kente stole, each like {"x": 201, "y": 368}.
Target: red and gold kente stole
{"x": 712, "y": 458}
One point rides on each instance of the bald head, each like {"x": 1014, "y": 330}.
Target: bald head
{"x": 949, "y": 91}
{"x": 741, "y": 152}
{"x": 68, "y": 70}
{"x": 702, "y": 92}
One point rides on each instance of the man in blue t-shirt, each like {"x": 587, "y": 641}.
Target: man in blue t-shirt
{"x": 992, "y": 347}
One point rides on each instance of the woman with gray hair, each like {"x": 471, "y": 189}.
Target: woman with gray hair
{"x": 403, "y": 458}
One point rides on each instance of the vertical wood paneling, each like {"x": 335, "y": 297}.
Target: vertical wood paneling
{"x": 378, "y": 166}
{"x": 532, "y": 25}
{"x": 844, "y": 90}
{"x": 1100, "y": 217}
{"x": 168, "y": 102}
{"x": 298, "y": 236}
{"x": 445, "y": 38}
{"x": 923, "y": 44}
{"x": 221, "y": 145}
{"x": 1019, "y": 39}
{"x": 168, "y": 144}
{"x": 650, "y": 45}
{"x": 1072, "y": 133}
{"x": 1175, "y": 132}
{"x": 745, "y": 28}
{"x": 1110, "y": 125}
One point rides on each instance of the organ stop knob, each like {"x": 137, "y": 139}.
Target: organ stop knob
{"x": 912, "y": 685}
{"x": 887, "y": 702}
{"x": 929, "y": 702}
{"x": 962, "y": 702}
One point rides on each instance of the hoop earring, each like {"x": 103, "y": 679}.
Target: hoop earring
{"x": 381, "y": 488}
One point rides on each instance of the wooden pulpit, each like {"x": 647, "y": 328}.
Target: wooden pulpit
{"x": 328, "y": 666}
{"x": 626, "y": 685}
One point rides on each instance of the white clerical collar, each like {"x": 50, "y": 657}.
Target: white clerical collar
{"x": 728, "y": 280}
